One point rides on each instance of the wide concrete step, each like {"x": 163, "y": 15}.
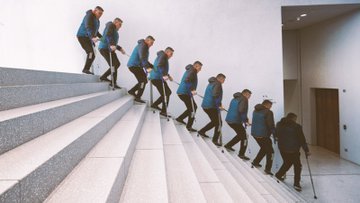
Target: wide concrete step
{"x": 183, "y": 185}
{"x": 23, "y": 124}
{"x": 211, "y": 186}
{"x": 240, "y": 192}
{"x": 146, "y": 181}
{"x": 19, "y": 96}
{"x": 278, "y": 189}
{"x": 38, "y": 166}
{"x": 14, "y": 77}
{"x": 100, "y": 176}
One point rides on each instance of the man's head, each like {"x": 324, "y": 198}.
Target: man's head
{"x": 246, "y": 93}
{"x": 197, "y": 65}
{"x": 118, "y": 23}
{"x": 149, "y": 40}
{"x": 98, "y": 11}
{"x": 221, "y": 78}
{"x": 169, "y": 52}
{"x": 267, "y": 103}
{"x": 291, "y": 116}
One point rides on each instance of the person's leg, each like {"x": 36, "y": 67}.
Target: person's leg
{"x": 116, "y": 64}
{"x": 216, "y": 119}
{"x": 285, "y": 166}
{"x": 167, "y": 95}
{"x": 138, "y": 73}
{"x": 158, "y": 85}
{"x": 141, "y": 77}
{"x": 105, "y": 53}
{"x": 260, "y": 155}
{"x": 186, "y": 100}
{"x": 297, "y": 167}
{"x": 86, "y": 44}
{"x": 269, "y": 154}
{"x": 211, "y": 124}
{"x": 191, "y": 113}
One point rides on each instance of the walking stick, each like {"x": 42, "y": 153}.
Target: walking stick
{"x": 165, "y": 100}
{"x": 312, "y": 183}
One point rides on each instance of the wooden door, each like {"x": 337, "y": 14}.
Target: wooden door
{"x": 327, "y": 119}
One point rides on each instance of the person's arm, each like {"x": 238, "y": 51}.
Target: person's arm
{"x": 270, "y": 122}
{"x": 110, "y": 35}
{"x": 303, "y": 140}
{"x": 217, "y": 94}
{"x": 163, "y": 65}
{"x": 144, "y": 55}
{"x": 190, "y": 79}
{"x": 90, "y": 26}
{"x": 242, "y": 109}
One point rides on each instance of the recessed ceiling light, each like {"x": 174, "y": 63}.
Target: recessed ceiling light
{"x": 303, "y": 15}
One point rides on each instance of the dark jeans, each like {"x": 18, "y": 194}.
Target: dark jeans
{"x": 115, "y": 62}
{"x": 289, "y": 159}
{"x": 189, "y": 109}
{"x": 159, "y": 86}
{"x": 265, "y": 149}
{"x": 142, "y": 80}
{"x": 86, "y": 44}
{"x": 240, "y": 136}
{"x": 215, "y": 121}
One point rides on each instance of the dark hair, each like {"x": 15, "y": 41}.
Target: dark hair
{"x": 118, "y": 19}
{"x": 99, "y": 8}
{"x": 291, "y": 116}
{"x": 198, "y": 62}
{"x": 150, "y": 37}
{"x": 246, "y": 91}
{"x": 220, "y": 75}
{"x": 169, "y": 48}
{"x": 266, "y": 101}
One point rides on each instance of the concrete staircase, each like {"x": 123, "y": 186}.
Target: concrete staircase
{"x": 68, "y": 138}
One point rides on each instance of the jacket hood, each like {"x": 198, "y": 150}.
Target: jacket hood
{"x": 161, "y": 52}
{"x": 212, "y": 80}
{"x": 108, "y": 23}
{"x": 89, "y": 12}
{"x": 259, "y": 107}
{"x": 141, "y": 41}
{"x": 237, "y": 95}
{"x": 188, "y": 67}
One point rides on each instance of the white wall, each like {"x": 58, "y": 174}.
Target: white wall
{"x": 240, "y": 38}
{"x": 330, "y": 59}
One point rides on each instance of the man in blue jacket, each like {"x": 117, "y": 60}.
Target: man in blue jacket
{"x": 186, "y": 92}
{"x": 290, "y": 139}
{"x": 236, "y": 119}
{"x": 262, "y": 127}
{"x": 108, "y": 45}
{"x": 158, "y": 77}
{"x": 139, "y": 60}
{"x": 88, "y": 35}
{"x": 212, "y": 106}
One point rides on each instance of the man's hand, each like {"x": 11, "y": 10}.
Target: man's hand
{"x": 170, "y": 78}
{"x": 248, "y": 123}
{"x": 221, "y": 108}
{"x": 113, "y": 48}
{"x": 122, "y": 51}
{"x": 165, "y": 77}
{"x": 95, "y": 39}
{"x": 193, "y": 92}
{"x": 148, "y": 70}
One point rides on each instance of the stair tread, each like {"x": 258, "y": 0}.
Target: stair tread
{"x": 18, "y": 162}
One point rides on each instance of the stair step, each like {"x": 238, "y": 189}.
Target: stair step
{"x": 14, "y": 76}
{"x": 41, "y": 164}
{"x": 21, "y": 125}
{"x": 146, "y": 181}
{"x": 90, "y": 183}
{"x": 210, "y": 184}
{"x": 19, "y": 96}
{"x": 182, "y": 183}
{"x": 237, "y": 191}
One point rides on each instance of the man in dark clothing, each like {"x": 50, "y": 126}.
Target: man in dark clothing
{"x": 212, "y": 106}
{"x": 290, "y": 139}
{"x": 237, "y": 118}
{"x": 139, "y": 60}
{"x": 108, "y": 45}
{"x": 88, "y": 35}
{"x": 262, "y": 127}
{"x": 158, "y": 77}
{"x": 186, "y": 92}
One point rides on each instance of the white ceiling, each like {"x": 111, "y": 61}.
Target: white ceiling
{"x": 315, "y": 14}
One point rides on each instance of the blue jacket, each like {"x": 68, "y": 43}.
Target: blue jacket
{"x": 161, "y": 66}
{"x": 111, "y": 37}
{"x": 213, "y": 94}
{"x": 262, "y": 122}
{"x": 290, "y": 136}
{"x": 189, "y": 81}
{"x": 238, "y": 109}
{"x": 89, "y": 26}
{"x": 140, "y": 56}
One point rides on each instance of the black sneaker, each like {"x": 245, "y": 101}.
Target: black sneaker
{"x": 229, "y": 148}
{"x": 87, "y": 72}
{"x": 180, "y": 121}
{"x": 297, "y": 187}
{"x": 268, "y": 172}
{"x": 139, "y": 100}
{"x": 203, "y": 134}
{"x": 243, "y": 157}
{"x": 131, "y": 93}
{"x": 217, "y": 143}
{"x": 155, "y": 107}
{"x": 256, "y": 165}
{"x": 165, "y": 114}
{"x": 279, "y": 178}
{"x": 104, "y": 79}
{"x": 191, "y": 130}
